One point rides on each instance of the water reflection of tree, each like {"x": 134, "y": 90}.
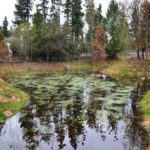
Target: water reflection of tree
{"x": 92, "y": 109}
{"x": 73, "y": 119}
{"x": 59, "y": 121}
{"x": 60, "y": 130}
{"x": 1, "y": 126}
{"x": 28, "y": 127}
{"x": 113, "y": 125}
{"x": 75, "y": 122}
{"x": 137, "y": 134}
{"x": 31, "y": 123}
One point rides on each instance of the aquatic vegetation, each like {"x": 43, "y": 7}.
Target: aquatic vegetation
{"x": 69, "y": 110}
{"x": 68, "y": 88}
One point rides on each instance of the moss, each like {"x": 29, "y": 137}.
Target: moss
{"x": 11, "y": 99}
{"x": 145, "y": 105}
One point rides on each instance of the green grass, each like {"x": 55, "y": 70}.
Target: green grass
{"x": 11, "y": 106}
{"x": 11, "y": 99}
{"x": 145, "y": 105}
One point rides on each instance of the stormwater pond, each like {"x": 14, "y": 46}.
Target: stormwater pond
{"x": 73, "y": 112}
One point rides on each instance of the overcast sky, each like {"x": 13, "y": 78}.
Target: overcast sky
{"x": 7, "y": 8}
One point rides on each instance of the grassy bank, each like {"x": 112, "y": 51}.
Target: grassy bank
{"x": 145, "y": 105}
{"x": 124, "y": 70}
{"x": 11, "y": 100}
{"x": 145, "y": 108}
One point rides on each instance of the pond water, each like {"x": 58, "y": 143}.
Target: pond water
{"x": 75, "y": 113}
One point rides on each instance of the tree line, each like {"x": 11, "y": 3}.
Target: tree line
{"x": 43, "y": 34}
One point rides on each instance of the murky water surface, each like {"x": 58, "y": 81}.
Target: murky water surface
{"x": 75, "y": 113}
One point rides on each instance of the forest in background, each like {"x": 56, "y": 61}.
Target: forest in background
{"x": 42, "y": 35}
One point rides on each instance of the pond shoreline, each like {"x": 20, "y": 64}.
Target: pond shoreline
{"x": 121, "y": 70}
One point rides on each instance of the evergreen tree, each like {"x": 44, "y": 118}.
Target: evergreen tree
{"x": 68, "y": 10}
{"x": 68, "y": 16}
{"x": 74, "y": 20}
{"x": 38, "y": 28}
{"x": 90, "y": 13}
{"x": 117, "y": 30}
{"x": 5, "y": 27}
{"x": 70, "y": 45}
{"x": 90, "y": 18}
{"x": 38, "y": 19}
{"x": 56, "y": 10}
{"x": 22, "y": 12}
{"x": 74, "y": 15}
{"x": 77, "y": 20}
{"x": 44, "y": 8}
{"x": 98, "y": 16}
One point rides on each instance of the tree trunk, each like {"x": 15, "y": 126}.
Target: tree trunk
{"x": 143, "y": 53}
{"x": 47, "y": 59}
{"x": 138, "y": 54}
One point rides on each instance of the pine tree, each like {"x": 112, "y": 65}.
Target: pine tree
{"x": 68, "y": 10}
{"x": 98, "y": 16}
{"x": 38, "y": 19}
{"x": 56, "y": 10}
{"x": 90, "y": 18}
{"x": 44, "y": 8}
{"x": 5, "y": 27}
{"x": 74, "y": 17}
{"x": 77, "y": 20}
{"x": 90, "y": 13}
{"x": 22, "y": 12}
{"x": 74, "y": 20}
{"x": 117, "y": 30}
{"x": 68, "y": 16}
{"x": 38, "y": 22}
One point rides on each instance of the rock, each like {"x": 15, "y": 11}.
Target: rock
{"x": 67, "y": 69}
{"x": 102, "y": 77}
{"x": 96, "y": 76}
{"x": 8, "y": 113}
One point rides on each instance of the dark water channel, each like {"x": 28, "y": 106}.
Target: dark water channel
{"x": 75, "y": 113}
